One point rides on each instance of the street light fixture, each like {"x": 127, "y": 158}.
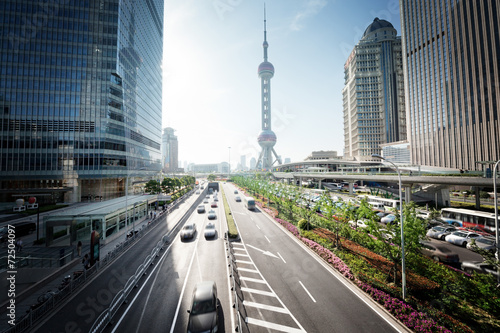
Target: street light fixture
{"x": 403, "y": 268}
{"x": 496, "y": 214}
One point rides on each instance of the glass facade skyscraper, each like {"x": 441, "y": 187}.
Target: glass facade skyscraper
{"x": 373, "y": 96}
{"x": 80, "y": 97}
{"x": 451, "y": 52}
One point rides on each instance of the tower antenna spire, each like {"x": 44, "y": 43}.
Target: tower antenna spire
{"x": 265, "y": 45}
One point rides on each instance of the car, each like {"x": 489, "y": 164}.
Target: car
{"x": 388, "y": 218}
{"x": 235, "y": 191}
{"x": 484, "y": 243}
{"x": 212, "y": 215}
{"x": 237, "y": 199}
{"x": 204, "y": 311}
{"x": 205, "y": 201}
{"x": 210, "y": 230}
{"x": 440, "y": 232}
{"x": 434, "y": 223}
{"x": 201, "y": 209}
{"x": 479, "y": 267}
{"x": 197, "y": 192}
{"x": 188, "y": 231}
{"x": 461, "y": 237}
{"x": 359, "y": 223}
{"x": 214, "y": 204}
{"x": 439, "y": 253}
{"x": 215, "y": 198}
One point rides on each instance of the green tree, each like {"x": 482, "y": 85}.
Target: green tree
{"x": 153, "y": 187}
{"x": 167, "y": 185}
{"x": 211, "y": 177}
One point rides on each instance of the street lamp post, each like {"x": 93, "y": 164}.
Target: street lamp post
{"x": 496, "y": 214}
{"x": 229, "y": 164}
{"x": 403, "y": 268}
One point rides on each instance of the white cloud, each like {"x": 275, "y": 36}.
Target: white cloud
{"x": 311, "y": 8}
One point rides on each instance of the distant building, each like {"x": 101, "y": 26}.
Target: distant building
{"x": 222, "y": 168}
{"x": 287, "y": 160}
{"x": 322, "y": 155}
{"x": 253, "y": 163}
{"x": 451, "y": 63}
{"x": 373, "y": 96}
{"x": 397, "y": 152}
{"x": 243, "y": 162}
{"x": 170, "y": 150}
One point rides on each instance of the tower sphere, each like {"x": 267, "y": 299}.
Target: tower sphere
{"x": 266, "y": 68}
{"x": 267, "y": 138}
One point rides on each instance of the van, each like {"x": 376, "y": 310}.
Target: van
{"x": 377, "y": 205}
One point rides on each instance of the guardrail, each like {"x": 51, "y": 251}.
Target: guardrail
{"x": 234, "y": 277}
{"x": 52, "y": 299}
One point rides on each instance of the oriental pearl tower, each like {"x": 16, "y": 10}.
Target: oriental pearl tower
{"x": 267, "y": 138}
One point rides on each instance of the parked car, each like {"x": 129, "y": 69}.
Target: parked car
{"x": 479, "y": 267}
{"x": 439, "y": 253}
{"x": 188, "y": 231}
{"x": 214, "y": 204}
{"x": 484, "y": 243}
{"x": 203, "y": 314}
{"x": 436, "y": 222}
{"x": 440, "y": 232}
{"x": 359, "y": 223}
{"x": 388, "y": 218}
{"x": 210, "y": 230}
{"x": 238, "y": 199}
{"x": 460, "y": 237}
{"x": 201, "y": 209}
{"x": 212, "y": 215}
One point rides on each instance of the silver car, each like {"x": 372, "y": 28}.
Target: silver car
{"x": 461, "y": 238}
{"x": 188, "y": 231}
{"x": 210, "y": 230}
{"x": 484, "y": 243}
{"x": 479, "y": 267}
{"x": 440, "y": 232}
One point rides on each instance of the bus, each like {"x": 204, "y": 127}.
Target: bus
{"x": 386, "y": 203}
{"x": 249, "y": 203}
{"x": 468, "y": 218}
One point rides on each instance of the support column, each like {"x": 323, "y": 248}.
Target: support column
{"x": 350, "y": 188}
{"x": 478, "y": 197}
{"x": 408, "y": 192}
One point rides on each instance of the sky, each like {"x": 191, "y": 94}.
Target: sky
{"x": 212, "y": 49}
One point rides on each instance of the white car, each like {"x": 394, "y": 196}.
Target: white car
{"x": 440, "y": 232}
{"x": 210, "y": 230}
{"x": 388, "y": 218}
{"x": 188, "y": 231}
{"x": 360, "y": 223}
{"x": 461, "y": 238}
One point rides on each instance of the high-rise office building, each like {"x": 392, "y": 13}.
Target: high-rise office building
{"x": 451, "y": 51}
{"x": 170, "y": 150}
{"x": 373, "y": 96}
{"x": 81, "y": 97}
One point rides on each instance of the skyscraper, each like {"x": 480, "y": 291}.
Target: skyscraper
{"x": 81, "y": 97}
{"x": 373, "y": 96}
{"x": 451, "y": 52}
{"x": 170, "y": 150}
{"x": 267, "y": 138}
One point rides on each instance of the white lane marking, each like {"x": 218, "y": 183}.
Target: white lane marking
{"x": 267, "y": 239}
{"x": 265, "y": 307}
{"x": 241, "y": 255}
{"x": 244, "y": 262}
{"x": 260, "y": 292}
{"x": 247, "y": 270}
{"x": 273, "y": 326}
{"x": 139, "y": 292}
{"x": 257, "y": 226}
{"x": 307, "y": 291}
{"x": 281, "y": 257}
{"x": 244, "y": 278}
{"x": 267, "y": 253}
{"x": 184, "y": 287}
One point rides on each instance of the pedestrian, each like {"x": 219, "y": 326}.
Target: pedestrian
{"x": 79, "y": 248}
{"x": 20, "y": 245}
{"x": 86, "y": 262}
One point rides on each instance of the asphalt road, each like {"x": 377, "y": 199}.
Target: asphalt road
{"x": 287, "y": 288}
{"x": 162, "y": 296}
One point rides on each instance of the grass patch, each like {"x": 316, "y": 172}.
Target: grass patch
{"x": 231, "y": 226}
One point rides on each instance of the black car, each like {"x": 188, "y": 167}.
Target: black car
{"x": 203, "y": 315}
